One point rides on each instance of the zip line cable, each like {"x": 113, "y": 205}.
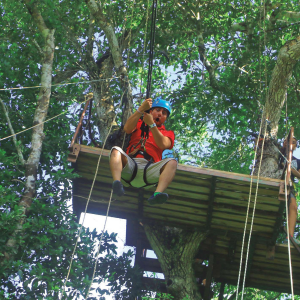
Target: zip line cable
{"x": 144, "y": 127}
{"x": 58, "y": 84}
{"x": 151, "y": 53}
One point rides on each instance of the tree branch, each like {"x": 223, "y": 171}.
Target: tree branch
{"x": 19, "y": 151}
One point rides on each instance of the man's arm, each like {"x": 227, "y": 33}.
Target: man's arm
{"x": 134, "y": 118}
{"x": 163, "y": 142}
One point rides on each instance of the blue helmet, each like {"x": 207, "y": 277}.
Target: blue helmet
{"x": 159, "y": 102}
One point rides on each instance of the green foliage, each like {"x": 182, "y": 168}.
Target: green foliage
{"x": 212, "y": 123}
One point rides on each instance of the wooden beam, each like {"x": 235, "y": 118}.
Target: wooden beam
{"x": 209, "y": 277}
{"x": 201, "y": 171}
{"x": 211, "y": 202}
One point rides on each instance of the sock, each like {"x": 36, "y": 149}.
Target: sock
{"x": 156, "y": 193}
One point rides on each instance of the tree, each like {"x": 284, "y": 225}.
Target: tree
{"x": 228, "y": 62}
{"x": 38, "y": 229}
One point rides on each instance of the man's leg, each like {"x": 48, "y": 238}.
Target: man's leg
{"x": 167, "y": 174}
{"x": 292, "y": 216}
{"x": 117, "y": 162}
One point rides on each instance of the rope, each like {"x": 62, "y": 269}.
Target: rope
{"x": 98, "y": 251}
{"x": 57, "y": 84}
{"x": 289, "y": 242}
{"x": 151, "y": 53}
{"x": 253, "y": 213}
{"x": 144, "y": 48}
{"x": 144, "y": 127}
{"x": 247, "y": 214}
{"x": 89, "y": 197}
{"x": 63, "y": 113}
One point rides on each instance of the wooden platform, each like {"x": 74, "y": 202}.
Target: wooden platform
{"x": 199, "y": 198}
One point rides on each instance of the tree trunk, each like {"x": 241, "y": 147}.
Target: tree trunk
{"x": 31, "y": 165}
{"x": 176, "y": 249}
{"x": 288, "y": 56}
{"x": 115, "y": 49}
{"x": 269, "y": 164}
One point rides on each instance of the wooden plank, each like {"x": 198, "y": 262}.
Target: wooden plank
{"x": 240, "y": 203}
{"x": 262, "y": 190}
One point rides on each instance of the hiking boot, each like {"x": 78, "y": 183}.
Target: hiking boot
{"x": 118, "y": 188}
{"x": 159, "y": 198}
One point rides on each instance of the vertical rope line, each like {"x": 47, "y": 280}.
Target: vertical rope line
{"x": 88, "y": 200}
{"x": 99, "y": 247}
{"x": 249, "y": 201}
{"x": 253, "y": 213}
{"x": 152, "y": 40}
{"x": 288, "y": 234}
{"x": 144, "y": 48}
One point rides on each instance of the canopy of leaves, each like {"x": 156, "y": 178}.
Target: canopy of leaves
{"x": 213, "y": 61}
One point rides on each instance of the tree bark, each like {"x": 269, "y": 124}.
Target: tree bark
{"x": 176, "y": 249}
{"x": 31, "y": 165}
{"x": 288, "y": 56}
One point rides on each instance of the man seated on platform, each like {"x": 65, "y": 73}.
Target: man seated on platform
{"x": 292, "y": 204}
{"x": 142, "y": 164}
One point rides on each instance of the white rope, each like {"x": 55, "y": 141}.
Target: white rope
{"x": 97, "y": 255}
{"x": 57, "y": 84}
{"x": 253, "y": 212}
{"x": 63, "y": 113}
{"x": 89, "y": 197}
{"x": 289, "y": 242}
{"x": 247, "y": 213}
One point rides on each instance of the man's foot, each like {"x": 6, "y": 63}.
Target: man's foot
{"x": 158, "y": 198}
{"x": 118, "y": 188}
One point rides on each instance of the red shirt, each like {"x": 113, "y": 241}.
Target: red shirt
{"x": 151, "y": 148}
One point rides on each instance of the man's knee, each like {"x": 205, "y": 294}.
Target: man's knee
{"x": 173, "y": 164}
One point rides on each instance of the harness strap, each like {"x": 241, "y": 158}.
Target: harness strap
{"x": 133, "y": 173}
{"x": 145, "y": 170}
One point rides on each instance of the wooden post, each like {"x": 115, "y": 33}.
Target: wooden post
{"x": 139, "y": 250}
{"x": 209, "y": 277}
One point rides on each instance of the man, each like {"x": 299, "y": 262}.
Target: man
{"x": 142, "y": 163}
{"x": 293, "y": 208}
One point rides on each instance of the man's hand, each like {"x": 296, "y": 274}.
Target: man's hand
{"x": 148, "y": 119}
{"x": 146, "y": 105}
